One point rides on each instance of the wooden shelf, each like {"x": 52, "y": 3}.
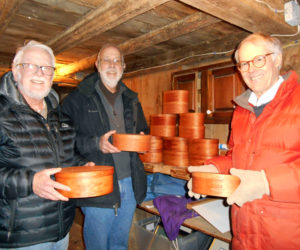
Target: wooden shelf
{"x": 197, "y": 223}
{"x": 174, "y": 171}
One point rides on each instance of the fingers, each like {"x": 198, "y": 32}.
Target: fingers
{"x": 190, "y": 192}
{"x": 90, "y": 164}
{"x": 45, "y": 187}
{"x": 192, "y": 169}
{"x": 105, "y": 146}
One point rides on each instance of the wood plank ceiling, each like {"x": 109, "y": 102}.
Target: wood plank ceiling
{"x": 151, "y": 33}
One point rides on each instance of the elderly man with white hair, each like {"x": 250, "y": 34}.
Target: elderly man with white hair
{"x": 36, "y": 141}
{"x": 264, "y": 150}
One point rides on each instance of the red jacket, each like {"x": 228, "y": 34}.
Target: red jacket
{"x": 270, "y": 142}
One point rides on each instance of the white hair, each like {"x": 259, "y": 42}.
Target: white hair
{"x": 271, "y": 43}
{"x": 33, "y": 44}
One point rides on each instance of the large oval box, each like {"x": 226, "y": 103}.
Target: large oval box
{"x": 86, "y": 181}
{"x": 221, "y": 185}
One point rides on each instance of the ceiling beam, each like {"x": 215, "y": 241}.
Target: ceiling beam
{"x": 192, "y": 54}
{"x": 186, "y": 25}
{"x": 247, "y": 14}
{"x": 107, "y": 16}
{"x": 8, "y": 8}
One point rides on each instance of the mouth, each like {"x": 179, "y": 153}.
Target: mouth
{"x": 256, "y": 77}
{"x": 37, "y": 81}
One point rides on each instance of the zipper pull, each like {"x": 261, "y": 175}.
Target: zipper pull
{"x": 116, "y": 209}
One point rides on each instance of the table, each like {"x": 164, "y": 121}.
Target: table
{"x": 197, "y": 223}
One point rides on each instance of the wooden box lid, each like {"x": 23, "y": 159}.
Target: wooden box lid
{"x": 132, "y": 142}
{"x": 86, "y": 181}
{"x": 221, "y": 185}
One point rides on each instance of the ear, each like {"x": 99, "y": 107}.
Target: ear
{"x": 96, "y": 64}
{"x": 15, "y": 72}
{"x": 278, "y": 61}
{"x": 124, "y": 66}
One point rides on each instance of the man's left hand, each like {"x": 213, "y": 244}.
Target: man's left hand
{"x": 254, "y": 185}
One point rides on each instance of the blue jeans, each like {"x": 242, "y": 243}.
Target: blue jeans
{"x": 62, "y": 244}
{"x": 103, "y": 230}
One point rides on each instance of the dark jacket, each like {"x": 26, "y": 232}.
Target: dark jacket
{"x": 91, "y": 121}
{"x": 29, "y": 143}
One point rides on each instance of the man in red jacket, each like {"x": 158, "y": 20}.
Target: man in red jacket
{"x": 264, "y": 150}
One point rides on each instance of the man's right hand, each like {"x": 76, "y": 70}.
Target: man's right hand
{"x": 105, "y": 146}
{"x": 204, "y": 169}
{"x": 45, "y": 187}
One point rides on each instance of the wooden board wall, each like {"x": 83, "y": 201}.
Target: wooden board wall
{"x": 150, "y": 88}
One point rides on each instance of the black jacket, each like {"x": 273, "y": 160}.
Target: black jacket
{"x": 91, "y": 121}
{"x": 30, "y": 143}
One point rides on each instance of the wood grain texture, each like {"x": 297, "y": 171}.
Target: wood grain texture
{"x": 132, "y": 142}
{"x": 86, "y": 181}
{"x": 220, "y": 185}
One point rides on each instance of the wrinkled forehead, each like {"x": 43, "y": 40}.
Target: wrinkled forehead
{"x": 36, "y": 54}
{"x": 111, "y": 52}
{"x": 251, "y": 48}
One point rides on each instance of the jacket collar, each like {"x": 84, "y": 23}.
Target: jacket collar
{"x": 88, "y": 86}
{"x": 290, "y": 82}
{"x": 8, "y": 88}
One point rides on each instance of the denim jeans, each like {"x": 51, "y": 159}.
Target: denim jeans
{"x": 62, "y": 244}
{"x": 103, "y": 230}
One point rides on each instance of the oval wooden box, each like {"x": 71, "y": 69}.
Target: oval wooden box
{"x": 156, "y": 143}
{"x": 221, "y": 185}
{"x": 163, "y": 119}
{"x": 152, "y": 157}
{"x": 191, "y": 132}
{"x": 176, "y": 144}
{"x": 132, "y": 142}
{"x": 204, "y": 147}
{"x": 175, "y": 101}
{"x": 86, "y": 181}
{"x": 174, "y": 158}
{"x": 191, "y": 119}
{"x": 163, "y": 130}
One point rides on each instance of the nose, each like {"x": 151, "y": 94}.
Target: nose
{"x": 251, "y": 66}
{"x": 39, "y": 71}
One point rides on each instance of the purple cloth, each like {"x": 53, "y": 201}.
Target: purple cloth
{"x": 173, "y": 212}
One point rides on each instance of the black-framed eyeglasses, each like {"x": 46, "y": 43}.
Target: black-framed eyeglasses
{"x": 33, "y": 68}
{"x": 258, "y": 61}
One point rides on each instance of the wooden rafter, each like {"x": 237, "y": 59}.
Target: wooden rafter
{"x": 247, "y": 14}
{"x": 7, "y": 10}
{"x": 107, "y": 16}
{"x": 186, "y": 25}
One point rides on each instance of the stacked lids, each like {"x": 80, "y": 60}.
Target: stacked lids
{"x": 175, "y": 151}
{"x": 191, "y": 125}
{"x": 201, "y": 150}
{"x": 163, "y": 125}
{"x": 154, "y": 155}
{"x": 175, "y": 101}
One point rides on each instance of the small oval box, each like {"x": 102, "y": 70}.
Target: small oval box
{"x": 86, "y": 181}
{"x": 132, "y": 142}
{"x": 221, "y": 185}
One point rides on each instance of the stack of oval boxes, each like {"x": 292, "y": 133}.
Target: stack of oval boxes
{"x": 181, "y": 145}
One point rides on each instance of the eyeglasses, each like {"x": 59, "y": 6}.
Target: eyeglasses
{"x": 33, "y": 68}
{"x": 258, "y": 62}
{"x": 108, "y": 61}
